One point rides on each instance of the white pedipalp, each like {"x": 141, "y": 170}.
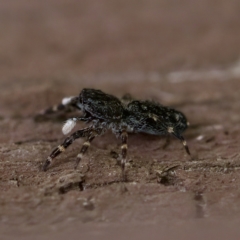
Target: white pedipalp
{"x": 67, "y": 100}
{"x": 69, "y": 125}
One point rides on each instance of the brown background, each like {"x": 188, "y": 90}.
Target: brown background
{"x": 180, "y": 53}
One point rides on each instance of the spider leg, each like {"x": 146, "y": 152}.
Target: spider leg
{"x": 184, "y": 142}
{"x": 87, "y": 144}
{"x": 124, "y": 147}
{"x": 167, "y": 142}
{"x": 67, "y": 142}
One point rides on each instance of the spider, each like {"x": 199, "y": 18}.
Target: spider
{"x": 104, "y": 111}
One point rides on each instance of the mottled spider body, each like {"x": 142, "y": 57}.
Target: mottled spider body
{"x": 153, "y": 118}
{"x": 103, "y": 111}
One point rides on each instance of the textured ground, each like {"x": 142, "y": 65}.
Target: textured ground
{"x": 180, "y": 53}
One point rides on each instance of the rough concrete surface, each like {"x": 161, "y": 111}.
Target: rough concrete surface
{"x": 184, "y": 54}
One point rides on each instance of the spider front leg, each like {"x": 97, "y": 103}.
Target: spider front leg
{"x": 67, "y": 142}
{"x": 85, "y": 146}
{"x": 124, "y": 147}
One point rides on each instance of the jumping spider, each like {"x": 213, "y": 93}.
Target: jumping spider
{"x": 104, "y": 111}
